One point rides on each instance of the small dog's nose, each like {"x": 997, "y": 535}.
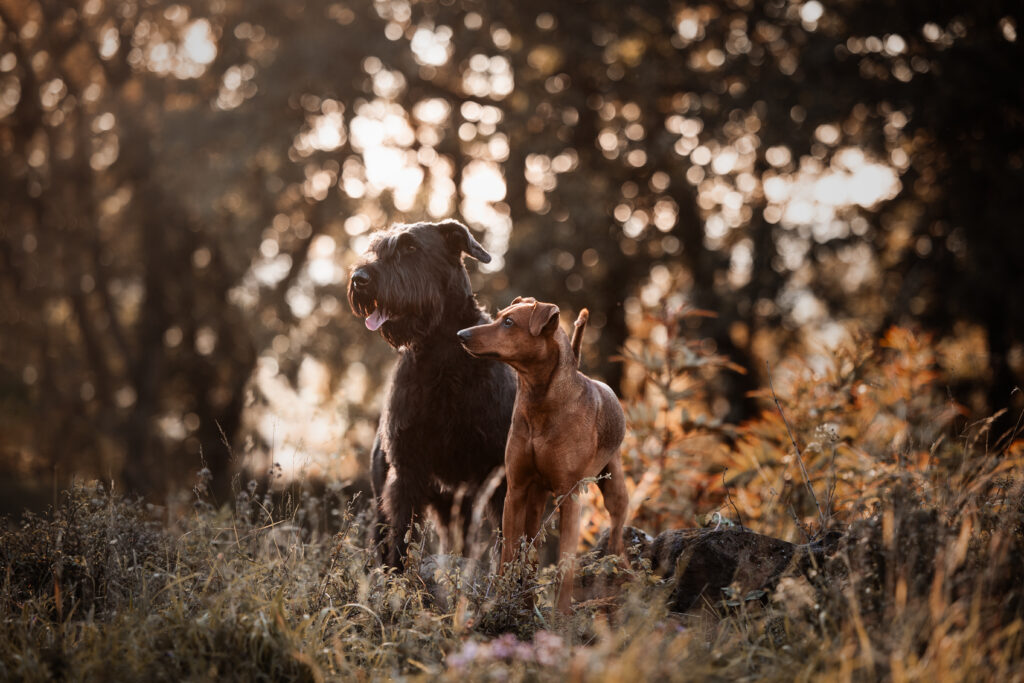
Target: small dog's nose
{"x": 464, "y": 335}
{"x": 360, "y": 278}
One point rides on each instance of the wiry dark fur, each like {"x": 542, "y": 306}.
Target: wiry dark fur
{"x": 447, "y": 414}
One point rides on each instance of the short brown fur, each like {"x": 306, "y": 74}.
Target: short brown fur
{"x": 565, "y": 427}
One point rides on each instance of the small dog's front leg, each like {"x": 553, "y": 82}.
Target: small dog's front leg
{"x": 568, "y": 539}
{"x": 513, "y": 521}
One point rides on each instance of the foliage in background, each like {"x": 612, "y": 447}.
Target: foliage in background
{"x": 863, "y": 416}
{"x": 184, "y": 183}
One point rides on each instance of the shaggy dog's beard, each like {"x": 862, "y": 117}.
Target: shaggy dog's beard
{"x": 401, "y": 320}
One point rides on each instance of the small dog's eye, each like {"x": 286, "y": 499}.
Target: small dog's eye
{"x": 507, "y": 322}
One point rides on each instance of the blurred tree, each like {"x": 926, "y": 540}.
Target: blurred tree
{"x": 184, "y": 184}
{"x": 116, "y": 316}
{"x": 712, "y": 116}
{"x": 946, "y": 84}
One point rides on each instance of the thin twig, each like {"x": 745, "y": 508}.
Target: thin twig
{"x": 728, "y": 497}
{"x": 831, "y": 495}
{"x": 224, "y": 440}
{"x": 799, "y": 455}
{"x": 327, "y": 576}
{"x": 1012, "y": 434}
{"x": 346, "y": 526}
{"x": 483, "y": 499}
{"x": 799, "y": 524}
{"x": 560, "y": 499}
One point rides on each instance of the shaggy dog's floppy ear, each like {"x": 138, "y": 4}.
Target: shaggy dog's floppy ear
{"x": 544, "y": 318}
{"x": 460, "y": 240}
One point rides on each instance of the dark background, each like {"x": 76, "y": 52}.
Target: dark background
{"x": 183, "y": 187}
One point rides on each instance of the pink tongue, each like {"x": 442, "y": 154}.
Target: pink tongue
{"x": 375, "y": 320}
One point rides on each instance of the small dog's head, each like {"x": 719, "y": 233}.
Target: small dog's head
{"x": 519, "y": 334}
{"x": 409, "y": 275}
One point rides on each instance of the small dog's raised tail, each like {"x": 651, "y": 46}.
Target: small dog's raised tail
{"x": 577, "y": 333}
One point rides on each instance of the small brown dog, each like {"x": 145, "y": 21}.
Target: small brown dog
{"x": 565, "y": 427}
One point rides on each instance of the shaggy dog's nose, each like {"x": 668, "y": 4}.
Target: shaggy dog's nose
{"x": 360, "y": 278}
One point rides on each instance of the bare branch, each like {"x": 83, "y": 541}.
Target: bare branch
{"x": 799, "y": 455}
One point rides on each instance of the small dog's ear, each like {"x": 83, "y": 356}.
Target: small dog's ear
{"x": 544, "y": 318}
{"x": 523, "y": 300}
{"x": 460, "y": 240}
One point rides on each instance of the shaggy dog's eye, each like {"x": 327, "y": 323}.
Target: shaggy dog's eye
{"x": 407, "y": 247}
{"x": 507, "y": 322}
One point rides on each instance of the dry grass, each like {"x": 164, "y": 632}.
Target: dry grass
{"x": 928, "y": 582}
